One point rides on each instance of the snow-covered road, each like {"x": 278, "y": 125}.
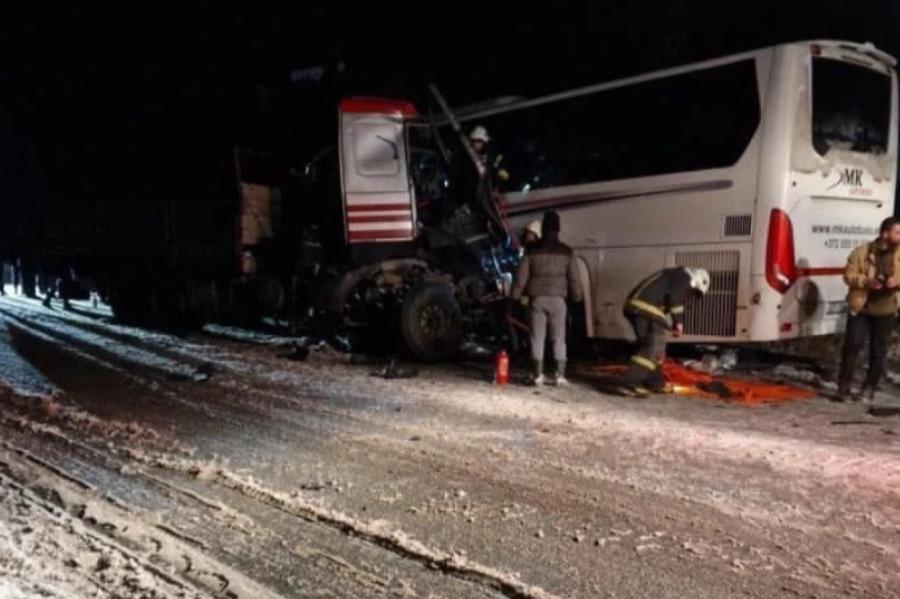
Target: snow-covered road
{"x": 136, "y": 463}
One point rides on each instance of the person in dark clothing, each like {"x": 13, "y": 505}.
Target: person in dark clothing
{"x": 493, "y": 162}
{"x": 57, "y": 284}
{"x": 16, "y": 267}
{"x": 654, "y": 307}
{"x": 516, "y": 313}
{"x": 873, "y": 277}
{"x": 548, "y": 275}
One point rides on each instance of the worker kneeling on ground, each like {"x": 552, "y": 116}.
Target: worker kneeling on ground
{"x": 654, "y": 307}
{"x": 547, "y": 275}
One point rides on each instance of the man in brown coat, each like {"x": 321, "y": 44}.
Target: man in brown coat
{"x": 548, "y": 275}
{"x": 873, "y": 276}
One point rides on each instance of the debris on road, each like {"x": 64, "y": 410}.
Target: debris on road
{"x": 884, "y": 411}
{"x": 687, "y": 382}
{"x": 394, "y": 370}
{"x": 297, "y": 353}
{"x": 714, "y": 363}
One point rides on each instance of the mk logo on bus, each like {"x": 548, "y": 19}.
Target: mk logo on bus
{"x": 849, "y": 176}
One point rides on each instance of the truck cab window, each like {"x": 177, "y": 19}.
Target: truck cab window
{"x": 376, "y": 148}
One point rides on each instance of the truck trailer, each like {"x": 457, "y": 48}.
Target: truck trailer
{"x": 390, "y": 227}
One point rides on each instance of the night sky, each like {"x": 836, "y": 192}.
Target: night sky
{"x": 95, "y": 101}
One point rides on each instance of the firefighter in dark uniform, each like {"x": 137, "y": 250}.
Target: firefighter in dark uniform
{"x": 480, "y": 141}
{"x": 655, "y": 307}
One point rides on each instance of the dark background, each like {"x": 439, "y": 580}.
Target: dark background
{"x": 114, "y": 100}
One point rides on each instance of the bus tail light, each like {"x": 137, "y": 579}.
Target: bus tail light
{"x": 781, "y": 271}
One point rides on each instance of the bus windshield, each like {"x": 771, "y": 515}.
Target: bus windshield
{"x": 851, "y": 107}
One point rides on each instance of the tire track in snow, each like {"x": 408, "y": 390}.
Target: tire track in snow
{"x": 204, "y": 357}
{"x": 379, "y": 532}
{"x": 110, "y": 348}
{"x": 171, "y": 485}
{"x": 237, "y": 373}
{"x": 119, "y": 532}
{"x": 63, "y": 343}
{"x": 235, "y": 368}
{"x": 17, "y": 373}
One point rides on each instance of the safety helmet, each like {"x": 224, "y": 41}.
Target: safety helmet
{"x": 479, "y": 133}
{"x": 534, "y": 227}
{"x": 699, "y": 279}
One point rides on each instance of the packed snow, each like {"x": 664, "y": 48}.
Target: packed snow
{"x": 311, "y": 477}
{"x": 17, "y": 373}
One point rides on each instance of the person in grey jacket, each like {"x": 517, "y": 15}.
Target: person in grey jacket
{"x": 547, "y": 275}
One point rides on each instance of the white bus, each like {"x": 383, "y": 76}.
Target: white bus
{"x": 765, "y": 168}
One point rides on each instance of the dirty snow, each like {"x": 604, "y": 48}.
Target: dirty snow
{"x": 314, "y": 478}
{"x": 136, "y": 356}
{"x": 46, "y": 553}
{"x": 382, "y": 532}
{"x": 248, "y": 336}
{"x": 56, "y": 541}
{"x": 17, "y": 373}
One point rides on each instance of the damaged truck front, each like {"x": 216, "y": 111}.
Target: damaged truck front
{"x": 421, "y": 249}
{"x": 380, "y": 221}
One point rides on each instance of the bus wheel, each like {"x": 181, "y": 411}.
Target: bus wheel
{"x": 431, "y": 322}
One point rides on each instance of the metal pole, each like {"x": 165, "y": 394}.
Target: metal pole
{"x": 473, "y": 156}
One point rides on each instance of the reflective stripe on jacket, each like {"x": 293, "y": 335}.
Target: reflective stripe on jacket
{"x": 661, "y": 297}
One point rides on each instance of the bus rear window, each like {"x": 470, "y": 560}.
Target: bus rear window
{"x": 851, "y": 107}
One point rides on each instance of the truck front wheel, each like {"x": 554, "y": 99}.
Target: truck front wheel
{"x": 431, "y": 322}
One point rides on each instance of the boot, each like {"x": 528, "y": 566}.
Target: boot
{"x": 626, "y": 389}
{"x": 844, "y": 392}
{"x": 867, "y": 393}
{"x": 560, "y": 379}
{"x": 642, "y": 392}
{"x": 538, "y": 373}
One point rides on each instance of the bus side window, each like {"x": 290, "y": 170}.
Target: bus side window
{"x": 692, "y": 121}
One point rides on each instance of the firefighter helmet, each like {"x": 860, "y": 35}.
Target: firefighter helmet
{"x": 479, "y": 133}
{"x": 699, "y": 279}
{"x": 534, "y": 227}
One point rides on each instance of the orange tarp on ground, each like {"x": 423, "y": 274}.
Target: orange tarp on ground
{"x": 683, "y": 381}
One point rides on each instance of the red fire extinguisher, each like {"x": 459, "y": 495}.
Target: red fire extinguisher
{"x": 501, "y": 368}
